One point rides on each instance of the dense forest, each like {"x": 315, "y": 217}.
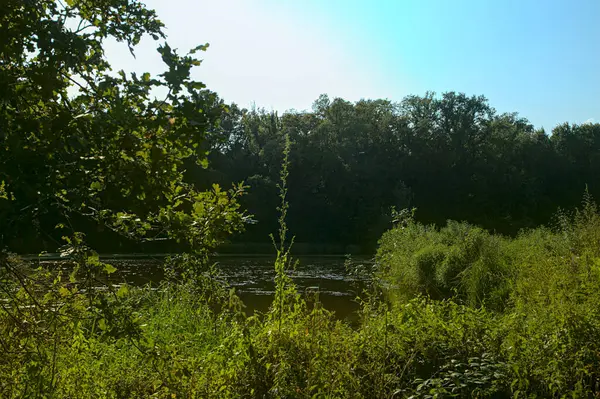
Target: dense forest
{"x": 450, "y": 156}
{"x": 468, "y": 294}
{"x": 353, "y": 163}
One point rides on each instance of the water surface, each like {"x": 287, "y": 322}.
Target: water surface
{"x": 253, "y": 278}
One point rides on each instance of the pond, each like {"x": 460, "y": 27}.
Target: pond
{"x": 253, "y": 278}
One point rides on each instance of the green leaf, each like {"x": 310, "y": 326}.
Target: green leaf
{"x": 3, "y": 194}
{"x": 202, "y": 47}
{"x": 102, "y": 324}
{"x": 197, "y": 85}
{"x": 109, "y": 269}
{"x": 123, "y": 291}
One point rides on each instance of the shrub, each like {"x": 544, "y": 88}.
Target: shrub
{"x": 459, "y": 261}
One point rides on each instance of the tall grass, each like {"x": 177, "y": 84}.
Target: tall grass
{"x": 466, "y": 314}
{"x": 458, "y": 261}
{"x": 540, "y": 291}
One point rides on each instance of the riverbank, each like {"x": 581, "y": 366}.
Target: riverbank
{"x": 452, "y": 311}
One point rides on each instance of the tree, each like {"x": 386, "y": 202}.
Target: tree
{"x": 81, "y": 143}
{"x": 451, "y": 156}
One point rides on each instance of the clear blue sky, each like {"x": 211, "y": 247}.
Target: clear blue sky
{"x": 539, "y": 58}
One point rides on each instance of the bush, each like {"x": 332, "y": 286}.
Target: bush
{"x": 459, "y": 261}
{"x": 542, "y": 287}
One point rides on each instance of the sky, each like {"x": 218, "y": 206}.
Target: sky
{"x": 538, "y": 58}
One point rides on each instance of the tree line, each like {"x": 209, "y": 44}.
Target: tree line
{"x": 451, "y": 156}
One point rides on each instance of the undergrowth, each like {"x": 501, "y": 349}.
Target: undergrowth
{"x": 451, "y": 312}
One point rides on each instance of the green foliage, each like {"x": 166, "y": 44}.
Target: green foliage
{"x": 458, "y": 261}
{"x": 542, "y": 287}
{"x": 80, "y": 142}
{"x": 85, "y": 149}
{"x": 45, "y": 317}
{"x": 451, "y": 155}
{"x": 286, "y": 299}
{"x": 537, "y": 337}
